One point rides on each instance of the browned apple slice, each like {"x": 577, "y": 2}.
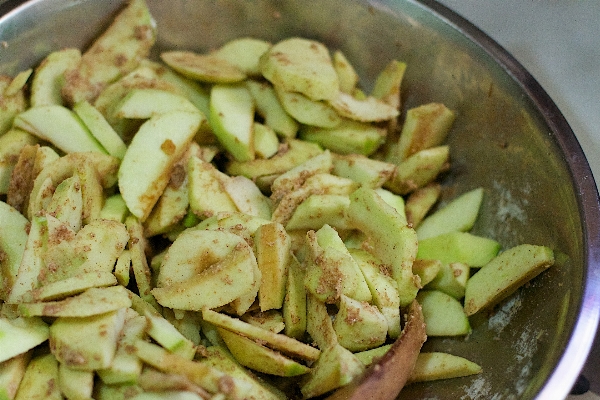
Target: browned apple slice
{"x": 385, "y": 378}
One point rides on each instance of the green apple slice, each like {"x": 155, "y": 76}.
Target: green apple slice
{"x": 276, "y": 341}
{"x": 366, "y": 171}
{"x": 51, "y": 122}
{"x": 393, "y": 241}
{"x": 463, "y": 247}
{"x": 203, "y": 67}
{"x": 457, "y": 215}
{"x": 201, "y": 373}
{"x": 75, "y": 384}
{"x": 162, "y": 139}
{"x": 359, "y": 325}
{"x": 145, "y": 103}
{"x": 347, "y": 137}
{"x": 73, "y": 285}
{"x": 214, "y": 286}
{"x": 93, "y": 301}
{"x": 47, "y": 79}
{"x": 40, "y": 380}
{"x": 93, "y": 340}
{"x": 369, "y": 109}
{"x": 444, "y": 315}
{"x": 383, "y": 289}
{"x": 504, "y": 274}
{"x": 345, "y": 71}
{"x": 303, "y": 66}
{"x": 269, "y": 107}
{"x": 20, "y": 335}
{"x": 100, "y": 129}
{"x": 293, "y": 153}
{"x": 272, "y": 245}
{"x": 260, "y": 358}
{"x": 424, "y": 127}
{"x": 436, "y": 365}
{"x": 244, "y": 53}
{"x": 232, "y": 119}
{"x": 13, "y": 239}
{"x": 419, "y": 170}
{"x": 11, "y": 374}
{"x": 117, "y": 51}
{"x": 306, "y": 111}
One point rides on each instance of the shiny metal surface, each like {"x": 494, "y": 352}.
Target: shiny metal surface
{"x": 509, "y": 137}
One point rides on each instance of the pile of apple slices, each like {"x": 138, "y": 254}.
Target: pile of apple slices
{"x": 243, "y": 223}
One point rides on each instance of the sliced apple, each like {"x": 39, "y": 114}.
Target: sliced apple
{"x": 203, "y": 67}
{"x": 100, "y": 129}
{"x": 47, "y": 78}
{"x": 232, "y": 117}
{"x": 301, "y": 65}
{"x": 117, "y": 51}
{"x": 504, "y": 274}
{"x": 244, "y": 53}
{"x": 394, "y": 242}
{"x": 260, "y": 358}
{"x": 273, "y": 254}
{"x": 87, "y": 343}
{"x": 162, "y": 139}
{"x": 13, "y": 238}
{"x": 276, "y": 341}
{"x": 432, "y": 366}
{"x": 20, "y": 335}
{"x": 218, "y": 280}
{"x": 51, "y": 122}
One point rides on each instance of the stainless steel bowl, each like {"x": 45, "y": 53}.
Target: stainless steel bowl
{"x": 509, "y": 137}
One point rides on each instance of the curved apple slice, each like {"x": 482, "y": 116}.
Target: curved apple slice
{"x": 385, "y": 378}
{"x": 162, "y": 139}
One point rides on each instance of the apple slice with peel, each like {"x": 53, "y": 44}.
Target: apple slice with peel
{"x": 11, "y": 374}
{"x": 260, "y": 358}
{"x": 385, "y": 378}
{"x": 145, "y": 103}
{"x": 272, "y": 244}
{"x": 93, "y": 301}
{"x": 200, "y": 373}
{"x": 87, "y": 343}
{"x": 162, "y": 139}
{"x": 214, "y": 286}
{"x": 435, "y": 365}
{"x": 13, "y": 238}
{"x": 100, "y": 129}
{"x": 232, "y": 119}
{"x": 276, "y": 341}
{"x": 504, "y": 274}
{"x": 51, "y": 122}
{"x": 40, "y": 380}
{"x": 395, "y": 243}
{"x": 20, "y": 335}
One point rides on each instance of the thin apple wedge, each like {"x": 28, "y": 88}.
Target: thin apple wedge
{"x": 276, "y": 341}
{"x": 93, "y": 301}
{"x": 163, "y": 139}
{"x": 215, "y": 286}
{"x": 260, "y": 358}
{"x": 301, "y": 65}
{"x": 384, "y": 379}
{"x": 21, "y": 335}
{"x": 504, "y": 274}
{"x": 436, "y": 365}
{"x": 231, "y": 118}
{"x": 50, "y": 122}
{"x": 117, "y": 51}
{"x": 13, "y": 238}
{"x": 202, "y": 374}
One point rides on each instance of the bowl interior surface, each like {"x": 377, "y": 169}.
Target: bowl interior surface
{"x": 500, "y": 141}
